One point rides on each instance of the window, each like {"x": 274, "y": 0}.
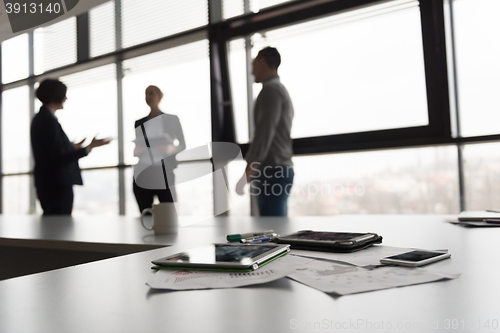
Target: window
{"x": 15, "y": 59}
{"x": 477, "y": 46}
{"x": 144, "y": 21}
{"x": 231, "y": 8}
{"x": 102, "y": 29}
{"x": 98, "y": 195}
{"x": 240, "y": 204}
{"x": 91, "y": 110}
{"x": 261, "y": 4}
{"x": 17, "y": 201}
{"x": 238, "y": 78}
{"x": 352, "y": 72}
{"x": 55, "y": 45}
{"x": 358, "y": 70}
{"x": 482, "y": 176}
{"x": 16, "y": 123}
{"x": 405, "y": 181}
{"x": 195, "y": 197}
{"x": 131, "y": 207}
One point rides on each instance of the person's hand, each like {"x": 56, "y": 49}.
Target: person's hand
{"x": 139, "y": 149}
{"x": 97, "y": 143}
{"x": 240, "y": 186}
{"x": 167, "y": 150}
{"x": 78, "y": 145}
{"x": 248, "y": 173}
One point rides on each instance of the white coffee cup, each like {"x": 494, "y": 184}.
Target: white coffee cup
{"x": 165, "y": 220}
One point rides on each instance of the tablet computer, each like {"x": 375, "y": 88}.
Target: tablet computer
{"x": 330, "y": 241}
{"x": 224, "y": 257}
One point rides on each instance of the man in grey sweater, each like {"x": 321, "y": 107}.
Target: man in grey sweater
{"x": 269, "y": 158}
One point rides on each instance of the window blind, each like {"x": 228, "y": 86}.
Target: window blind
{"x": 232, "y": 8}
{"x": 55, "y": 45}
{"x": 102, "y": 29}
{"x": 147, "y": 20}
{"x": 166, "y": 58}
{"x": 90, "y": 76}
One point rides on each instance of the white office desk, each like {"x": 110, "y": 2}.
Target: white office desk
{"x": 111, "y": 295}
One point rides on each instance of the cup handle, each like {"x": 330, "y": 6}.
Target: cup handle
{"x": 142, "y": 217}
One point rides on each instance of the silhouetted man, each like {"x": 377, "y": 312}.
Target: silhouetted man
{"x": 269, "y": 158}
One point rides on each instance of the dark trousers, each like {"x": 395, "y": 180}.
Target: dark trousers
{"x": 145, "y": 197}
{"x": 271, "y": 190}
{"x": 56, "y": 200}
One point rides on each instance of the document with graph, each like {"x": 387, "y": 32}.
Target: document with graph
{"x": 342, "y": 279}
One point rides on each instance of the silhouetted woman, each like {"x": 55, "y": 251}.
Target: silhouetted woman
{"x": 56, "y": 158}
{"x": 161, "y": 139}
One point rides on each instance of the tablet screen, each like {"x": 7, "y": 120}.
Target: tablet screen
{"x": 216, "y": 253}
{"x": 415, "y": 256}
{"x": 324, "y": 236}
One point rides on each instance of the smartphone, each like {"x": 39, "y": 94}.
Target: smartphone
{"x": 415, "y": 258}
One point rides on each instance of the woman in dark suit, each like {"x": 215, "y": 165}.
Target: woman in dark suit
{"x": 56, "y": 158}
{"x": 164, "y": 138}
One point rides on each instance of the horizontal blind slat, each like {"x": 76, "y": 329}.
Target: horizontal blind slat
{"x": 143, "y": 21}
{"x": 102, "y": 29}
{"x": 55, "y": 45}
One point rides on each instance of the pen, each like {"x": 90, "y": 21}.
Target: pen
{"x": 494, "y": 221}
{"x": 493, "y": 211}
{"x": 238, "y": 237}
{"x": 250, "y": 239}
{"x": 256, "y": 240}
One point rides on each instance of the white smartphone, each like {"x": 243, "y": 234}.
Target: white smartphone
{"x": 415, "y": 258}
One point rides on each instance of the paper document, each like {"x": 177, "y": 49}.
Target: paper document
{"x": 367, "y": 258}
{"x": 341, "y": 279}
{"x": 187, "y": 279}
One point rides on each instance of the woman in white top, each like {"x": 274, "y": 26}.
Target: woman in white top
{"x": 159, "y": 139}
